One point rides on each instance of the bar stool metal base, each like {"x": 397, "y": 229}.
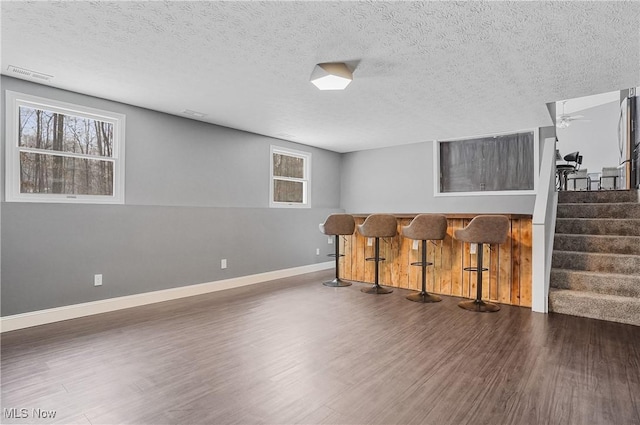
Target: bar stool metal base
{"x": 424, "y": 297}
{"x": 376, "y": 289}
{"x": 479, "y": 306}
{"x": 337, "y": 282}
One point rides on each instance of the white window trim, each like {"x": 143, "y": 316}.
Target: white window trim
{"x": 536, "y": 167}
{"x": 12, "y": 160}
{"x": 306, "y": 180}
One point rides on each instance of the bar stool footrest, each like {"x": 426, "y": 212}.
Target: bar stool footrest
{"x": 334, "y": 255}
{"x": 474, "y": 269}
{"x": 374, "y": 259}
{"x": 420, "y": 263}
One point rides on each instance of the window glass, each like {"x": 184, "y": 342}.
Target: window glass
{"x": 288, "y": 166}
{"x": 288, "y": 191}
{"x": 494, "y": 163}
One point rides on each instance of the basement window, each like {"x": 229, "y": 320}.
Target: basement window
{"x": 290, "y": 178}
{"x": 59, "y": 152}
{"x": 500, "y": 164}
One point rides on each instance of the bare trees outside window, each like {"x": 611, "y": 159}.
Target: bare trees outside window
{"x": 61, "y": 154}
{"x": 59, "y": 133}
{"x": 289, "y": 177}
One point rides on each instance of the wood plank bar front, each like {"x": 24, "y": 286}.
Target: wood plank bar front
{"x": 508, "y": 280}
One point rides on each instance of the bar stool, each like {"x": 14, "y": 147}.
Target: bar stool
{"x": 425, "y": 227}
{"x": 378, "y": 226}
{"x": 482, "y": 229}
{"x": 336, "y": 225}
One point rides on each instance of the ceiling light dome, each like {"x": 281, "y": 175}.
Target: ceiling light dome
{"x": 331, "y": 76}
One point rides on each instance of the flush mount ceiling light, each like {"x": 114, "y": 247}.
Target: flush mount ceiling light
{"x": 331, "y": 76}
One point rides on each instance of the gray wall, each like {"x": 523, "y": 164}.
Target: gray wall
{"x": 400, "y": 179}
{"x": 195, "y": 193}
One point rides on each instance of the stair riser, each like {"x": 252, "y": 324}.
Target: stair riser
{"x": 603, "y": 244}
{"x": 599, "y": 211}
{"x": 613, "y": 263}
{"x": 598, "y": 196}
{"x": 627, "y": 311}
{"x": 626, "y": 286}
{"x": 627, "y": 227}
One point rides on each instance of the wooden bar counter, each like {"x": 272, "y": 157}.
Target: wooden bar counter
{"x": 508, "y": 280}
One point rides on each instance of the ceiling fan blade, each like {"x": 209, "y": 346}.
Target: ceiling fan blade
{"x": 564, "y": 122}
{"x": 569, "y": 117}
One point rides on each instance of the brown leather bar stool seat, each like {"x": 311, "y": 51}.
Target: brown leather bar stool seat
{"x": 425, "y": 227}
{"x": 491, "y": 229}
{"x": 378, "y": 226}
{"x": 337, "y": 225}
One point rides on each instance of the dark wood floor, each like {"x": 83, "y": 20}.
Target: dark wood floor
{"x": 295, "y": 351}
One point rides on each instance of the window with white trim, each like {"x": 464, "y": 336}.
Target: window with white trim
{"x": 59, "y": 152}
{"x": 290, "y": 178}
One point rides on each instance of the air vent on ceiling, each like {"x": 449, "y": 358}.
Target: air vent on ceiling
{"x": 194, "y": 113}
{"x": 285, "y": 136}
{"x": 26, "y": 73}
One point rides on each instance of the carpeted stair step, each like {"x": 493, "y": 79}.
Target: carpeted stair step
{"x": 596, "y": 256}
{"x": 596, "y": 262}
{"x": 597, "y": 243}
{"x": 601, "y": 210}
{"x": 596, "y": 226}
{"x": 613, "y": 308}
{"x": 602, "y": 283}
{"x": 609, "y": 196}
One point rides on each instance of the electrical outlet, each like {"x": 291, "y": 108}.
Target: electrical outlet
{"x": 415, "y": 245}
{"x": 223, "y": 263}
{"x": 97, "y": 280}
{"x": 369, "y": 241}
{"x": 473, "y": 248}
{"x": 317, "y": 251}
{"x": 330, "y": 240}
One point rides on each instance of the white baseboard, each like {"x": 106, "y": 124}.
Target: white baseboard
{"x": 41, "y": 317}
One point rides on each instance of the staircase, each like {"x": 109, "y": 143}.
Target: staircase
{"x": 596, "y": 256}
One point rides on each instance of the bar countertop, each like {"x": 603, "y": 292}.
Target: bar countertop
{"x": 448, "y": 215}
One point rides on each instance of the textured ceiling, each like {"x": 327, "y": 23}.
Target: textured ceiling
{"x": 424, "y": 70}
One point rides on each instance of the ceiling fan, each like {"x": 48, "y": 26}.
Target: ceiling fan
{"x": 564, "y": 120}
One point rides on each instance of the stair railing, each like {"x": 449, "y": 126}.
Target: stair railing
{"x": 544, "y": 223}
